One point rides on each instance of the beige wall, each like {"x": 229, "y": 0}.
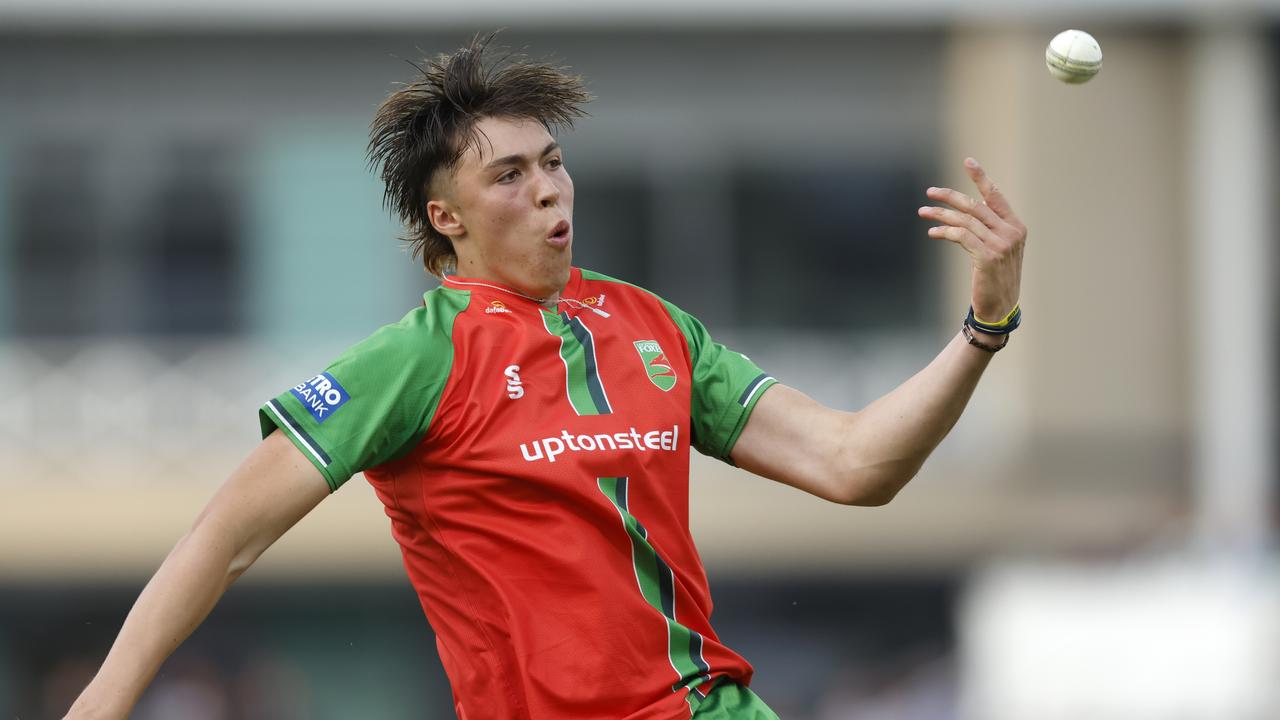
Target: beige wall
{"x": 1097, "y": 172}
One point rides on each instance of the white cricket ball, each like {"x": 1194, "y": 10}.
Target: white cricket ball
{"x": 1073, "y": 56}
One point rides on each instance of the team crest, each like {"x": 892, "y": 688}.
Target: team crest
{"x": 656, "y": 364}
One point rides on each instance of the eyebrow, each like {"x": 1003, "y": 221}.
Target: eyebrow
{"x": 516, "y": 159}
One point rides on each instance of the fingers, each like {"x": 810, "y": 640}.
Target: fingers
{"x": 960, "y": 236}
{"x": 992, "y": 221}
{"x": 987, "y": 229}
{"x": 958, "y": 219}
{"x": 990, "y": 193}
{"x": 966, "y": 204}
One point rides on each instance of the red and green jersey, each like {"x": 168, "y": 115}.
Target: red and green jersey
{"x": 535, "y": 467}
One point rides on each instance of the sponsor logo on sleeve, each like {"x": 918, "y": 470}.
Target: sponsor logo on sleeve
{"x": 656, "y": 364}
{"x": 321, "y": 396}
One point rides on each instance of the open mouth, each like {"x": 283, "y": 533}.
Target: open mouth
{"x": 559, "y": 234}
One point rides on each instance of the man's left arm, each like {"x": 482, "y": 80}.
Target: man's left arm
{"x": 866, "y": 457}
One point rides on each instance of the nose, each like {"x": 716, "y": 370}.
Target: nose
{"x": 546, "y": 192}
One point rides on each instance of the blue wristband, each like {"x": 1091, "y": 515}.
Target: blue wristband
{"x": 1007, "y": 326}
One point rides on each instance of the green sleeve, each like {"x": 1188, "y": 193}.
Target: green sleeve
{"x": 375, "y": 402}
{"x": 726, "y": 388}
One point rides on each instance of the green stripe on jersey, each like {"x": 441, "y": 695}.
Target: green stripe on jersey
{"x": 582, "y": 377}
{"x": 724, "y": 385}
{"x": 657, "y": 585}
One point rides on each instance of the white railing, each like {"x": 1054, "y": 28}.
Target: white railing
{"x": 161, "y": 411}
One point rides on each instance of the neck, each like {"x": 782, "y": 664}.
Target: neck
{"x": 549, "y": 301}
{"x": 469, "y": 267}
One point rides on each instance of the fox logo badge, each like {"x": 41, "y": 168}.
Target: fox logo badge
{"x": 656, "y": 364}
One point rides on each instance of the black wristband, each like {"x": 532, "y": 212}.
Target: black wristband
{"x": 1015, "y": 319}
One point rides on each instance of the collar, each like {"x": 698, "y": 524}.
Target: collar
{"x": 568, "y": 294}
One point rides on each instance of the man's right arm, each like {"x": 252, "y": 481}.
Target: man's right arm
{"x": 271, "y": 491}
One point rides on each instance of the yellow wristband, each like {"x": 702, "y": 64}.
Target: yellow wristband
{"x": 1007, "y": 318}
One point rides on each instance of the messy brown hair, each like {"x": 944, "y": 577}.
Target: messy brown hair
{"x": 427, "y": 125}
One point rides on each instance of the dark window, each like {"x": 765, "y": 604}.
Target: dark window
{"x": 57, "y": 225}
{"x": 831, "y": 249}
{"x": 191, "y": 259}
{"x": 111, "y": 240}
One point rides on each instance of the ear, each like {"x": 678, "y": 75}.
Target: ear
{"x": 445, "y": 219}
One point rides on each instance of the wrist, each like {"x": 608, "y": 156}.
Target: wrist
{"x": 990, "y": 336}
{"x": 97, "y": 703}
{"x": 1005, "y": 325}
{"x": 986, "y": 342}
{"x": 987, "y": 337}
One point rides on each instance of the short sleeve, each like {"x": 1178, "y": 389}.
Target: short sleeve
{"x": 726, "y": 387}
{"x": 375, "y": 402}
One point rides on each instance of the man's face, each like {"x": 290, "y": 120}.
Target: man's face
{"x": 508, "y": 208}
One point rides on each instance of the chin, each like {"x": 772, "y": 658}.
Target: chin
{"x": 551, "y": 283}
{"x": 562, "y": 277}
{"x": 556, "y": 274}
{"x": 544, "y": 281}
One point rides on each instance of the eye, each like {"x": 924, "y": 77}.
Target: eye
{"x": 508, "y": 176}
{"x": 555, "y": 162}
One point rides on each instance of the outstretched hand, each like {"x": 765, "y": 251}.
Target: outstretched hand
{"x": 990, "y": 232}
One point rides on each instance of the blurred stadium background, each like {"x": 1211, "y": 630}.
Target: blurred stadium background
{"x": 187, "y": 226}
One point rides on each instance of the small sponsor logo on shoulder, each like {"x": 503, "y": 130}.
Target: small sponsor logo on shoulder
{"x": 321, "y": 396}
{"x": 594, "y": 301}
{"x": 496, "y": 306}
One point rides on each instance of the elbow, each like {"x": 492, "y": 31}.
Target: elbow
{"x": 872, "y": 483}
{"x": 873, "y": 490}
{"x": 244, "y": 556}
{"x": 223, "y": 550}
{"x": 876, "y": 498}
{"x": 236, "y": 567}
